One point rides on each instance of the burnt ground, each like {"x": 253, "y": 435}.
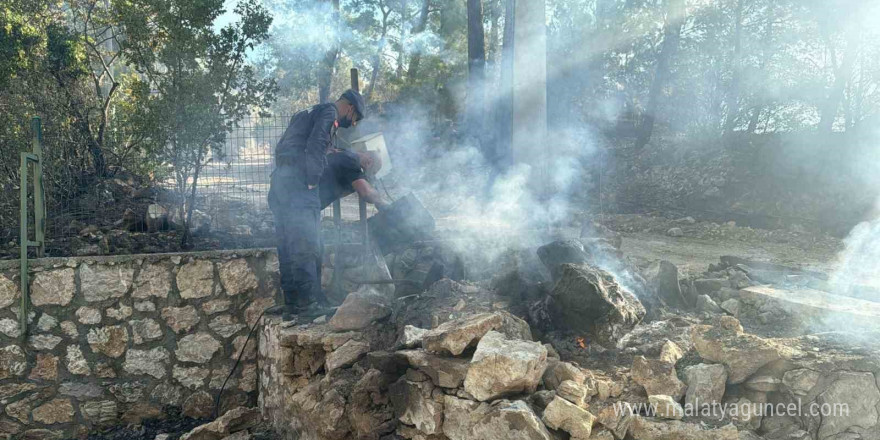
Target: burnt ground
{"x": 175, "y": 425}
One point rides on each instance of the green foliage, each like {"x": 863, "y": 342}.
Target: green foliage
{"x": 204, "y": 84}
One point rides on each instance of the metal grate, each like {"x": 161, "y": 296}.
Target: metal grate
{"x": 109, "y": 216}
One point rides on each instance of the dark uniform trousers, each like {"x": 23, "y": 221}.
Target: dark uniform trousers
{"x": 297, "y": 212}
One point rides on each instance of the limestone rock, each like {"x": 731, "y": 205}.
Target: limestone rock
{"x": 562, "y": 414}
{"x": 743, "y": 354}
{"x": 128, "y": 392}
{"x": 88, "y": 315}
{"x": 411, "y": 337}
{"x": 80, "y": 390}
{"x": 360, "y": 309}
{"x": 560, "y": 252}
{"x": 140, "y": 411}
{"x": 573, "y": 392}
{"x": 237, "y": 277}
{"x": 252, "y": 313}
{"x": 235, "y": 420}
{"x": 801, "y": 381}
{"x": 705, "y": 385}
{"x": 46, "y": 322}
{"x": 100, "y": 282}
{"x": 54, "y": 411}
{"x": 167, "y": 394}
{"x": 457, "y": 417}
{"x": 647, "y": 429}
{"x": 670, "y": 352}
{"x": 346, "y": 355}
{"x": 192, "y": 378}
{"x": 250, "y": 351}
{"x": 763, "y": 383}
{"x": 9, "y": 292}
{"x": 505, "y": 420}
{"x": 501, "y": 366}
{"x": 601, "y": 434}
{"x": 414, "y": 405}
{"x": 456, "y": 335}
{"x": 706, "y": 304}
{"x": 101, "y": 412}
{"x": 444, "y": 372}
{"x": 225, "y": 325}
{"x": 144, "y": 330}
{"x": 180, "y": 319}
{"x": 105, "y": 371}
{"x": 199, "y": 405}
{"x": 54, "y": 287}
{"x": 657, "y": 377}
{"x": 514, "y": 327}
{"x": 45, "y": 368}
{"x": 145, "y": 306}
{"x": 216, "y": 306}
{"x": 110, "y": 340}
{"x": 590, "y": 300}
{"x": 198, "y": 348}
{"x": 154, "y": 280}
{"x": 616, "y": 421}
{"x": 44, "y": 342}
{"x": 710, "y": 286}
{"x": 10, "y": 327}
{"x": 558, "y": 372}
{"x": 666, "y": 408}
{"x": 859, "y": 393}
{"x": 152, "y": 362}
{"x": 76, "y": 362}
{"x": 247, "y": 382}
{"x": 731, "y": 306}
{"x": 196, "y": 279}
{"x": 662, "y": 278}
{"x": 69, "y": 329}
{"x": 119, "y": 313}
{"x": 12, "y": 361}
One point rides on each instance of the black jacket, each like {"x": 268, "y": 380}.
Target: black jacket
{"x": 307, "y": 139}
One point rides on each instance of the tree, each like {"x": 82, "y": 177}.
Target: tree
{"x": 476, "y": 48}
{"x": 328, "y": 64}
{"x": 671, "y": 35}
{"x": 203, "y": 81}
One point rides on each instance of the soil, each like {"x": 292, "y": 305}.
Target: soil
{"x": 646, "y": 238}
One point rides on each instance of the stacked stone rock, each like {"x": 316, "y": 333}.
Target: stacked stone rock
{"x": 477, "y": 377}
{"x": 114, "y": 340}
{"x": 741, "y": 372}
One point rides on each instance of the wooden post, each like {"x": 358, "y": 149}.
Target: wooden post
{"x": 362, "y": 204}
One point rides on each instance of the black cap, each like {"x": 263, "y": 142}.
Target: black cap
{"x": 355, "y": 98}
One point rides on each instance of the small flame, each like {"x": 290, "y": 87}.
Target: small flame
{"x": 581, "y": 342}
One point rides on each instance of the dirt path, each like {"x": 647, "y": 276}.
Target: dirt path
{"x": 695, "y": 254}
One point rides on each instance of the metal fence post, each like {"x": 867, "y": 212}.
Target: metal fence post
{"x": 362, "y": 204}
{"x": 39, "y": 216}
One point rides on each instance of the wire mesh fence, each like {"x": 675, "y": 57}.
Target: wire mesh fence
{"x": 127, "y": 212}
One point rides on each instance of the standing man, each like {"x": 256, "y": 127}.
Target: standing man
{"x": 294, "y": 198}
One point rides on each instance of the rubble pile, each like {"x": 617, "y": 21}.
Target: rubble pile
{"x": 583, "y": 349}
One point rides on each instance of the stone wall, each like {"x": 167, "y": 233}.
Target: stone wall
{"x": 118, "y": 339}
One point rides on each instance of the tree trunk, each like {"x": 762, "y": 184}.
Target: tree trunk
{"x": 831, "y": 105}
{"x": 404, "y": 5}
{"x": 501, "y": 144}
{"x": 476, "y": 84}
{"x": 328, "y": 64}
{"x": 733, "y": 92}
{"x": 671, "y": 36}
{"x": 416, "y": 58}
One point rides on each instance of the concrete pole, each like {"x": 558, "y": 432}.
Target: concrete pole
{"x": 529, "y": 143}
